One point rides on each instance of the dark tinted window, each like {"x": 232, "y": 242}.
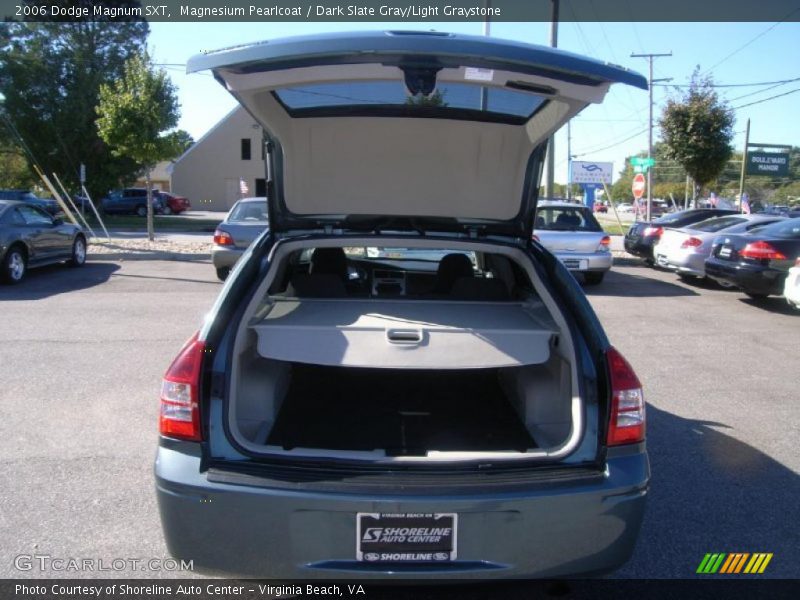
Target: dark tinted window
{"x": 246, "y": 149}
{"x": 34, "y": 216}
{"x": 393, "y": 93}
{"x": 789, "y": 229}
{"x": 565, "y": 218}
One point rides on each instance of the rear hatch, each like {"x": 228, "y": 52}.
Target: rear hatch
{"x": 408, "y": 130}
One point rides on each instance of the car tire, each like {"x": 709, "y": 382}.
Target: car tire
{"x": 15, "y": 265}
{"x": 223, "y": 272}
{"x": 167, "y": 211}
{"x": 688, "y": 277}
{"x": 141, "y": 210}
{"x": 593, "y": 277}
{"x": 757, "y": 297}
{"x": 78, "y": 257}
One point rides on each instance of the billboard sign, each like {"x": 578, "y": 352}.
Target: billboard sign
{"x": 774, "y": 164}
{"x": 591, "y": 172}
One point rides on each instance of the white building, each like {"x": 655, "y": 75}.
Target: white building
{"x": 209, "y": 172}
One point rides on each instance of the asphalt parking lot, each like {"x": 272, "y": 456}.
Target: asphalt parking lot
{"x": 84, "y": 351}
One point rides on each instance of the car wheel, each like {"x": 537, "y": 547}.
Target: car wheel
{"x": 141, "y": 210}
{"x": 167, "y": 210}
{"x": 15, "y": 265}
{"x": 78, "y": 252}
{"x": 757, "y": 296}
{"x": 650, "y": 262}
{"x": 593, "y": 277}
{"x": 223, "y": 272}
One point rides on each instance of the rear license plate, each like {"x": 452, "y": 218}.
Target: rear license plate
{"x": 724, "y": 252}
{"x": 411, "y": 537}
{"x": 575, "y": 264}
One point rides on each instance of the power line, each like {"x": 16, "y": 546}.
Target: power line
{"x": 731, "y": 85}
{"x": 766, "y": 99}
{"x": 611, "y": 145}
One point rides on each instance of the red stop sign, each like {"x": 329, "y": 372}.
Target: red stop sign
{"x": 639, "y": 185}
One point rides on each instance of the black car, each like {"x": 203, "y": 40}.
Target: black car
{"x": 131, "y": 201}
{"x": 47, "y": 204}
{"x": 29, "y": 237}
{"x": 642, "y": 236}
{"x": 756, "y": 263}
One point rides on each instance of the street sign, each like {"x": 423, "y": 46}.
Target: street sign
{"x": 83, "y": 174}
{"x": 639, "y": 185}
{"x": 774, "y": 164}
{"x": 643, "y": 162}
{"x": 592, "y": 172}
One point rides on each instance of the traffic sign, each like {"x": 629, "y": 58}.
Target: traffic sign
{"x": 639, "y": 185}
{"x": 643, "y": 162}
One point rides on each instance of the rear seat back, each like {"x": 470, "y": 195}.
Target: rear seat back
{"x": 481, "y": 290}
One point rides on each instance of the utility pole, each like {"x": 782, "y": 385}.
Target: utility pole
{"x": 551, "y": 143}
{"x": 744, "y": 164}
{"x": 569, "y": 160}
{"x": 486, "y": 33}
{"x": 650, "y": 83}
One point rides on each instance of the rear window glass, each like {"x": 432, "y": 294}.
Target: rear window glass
{"x": 377, "y": 94}
{"x": 249, "y": 211}
{"x": 563, "y": 218}
{"x": 718, "y": 223}
{"x": 789, "y": 229}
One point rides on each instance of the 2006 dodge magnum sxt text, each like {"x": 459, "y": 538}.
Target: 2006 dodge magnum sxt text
{"x": 396, "y": 381}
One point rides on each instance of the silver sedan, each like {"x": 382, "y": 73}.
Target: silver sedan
{"x": 685, "y": 250}
{"x": 571, "y": 232}
{"x": 244, "y": 223}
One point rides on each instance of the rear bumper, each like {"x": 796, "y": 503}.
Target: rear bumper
{"x": 755, "y": 279}
{"x": 542, "y": 530}
{"x": 225, "y": 258}
{"x": 687, "y": 262}
{"x": 595, "y": 261}
{"x": 642, "y": 247}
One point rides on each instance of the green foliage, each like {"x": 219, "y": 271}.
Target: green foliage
{"x": 697, "y": 130}
{"x": 50, "y": 75}
{"x": 184, "y": 141}
{"x": 14, "y": 171}
{"x": 434, "y": 99}
{"x": 136, "y": 110}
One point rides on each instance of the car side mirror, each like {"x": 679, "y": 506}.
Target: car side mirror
{"x": 58, "y": 221}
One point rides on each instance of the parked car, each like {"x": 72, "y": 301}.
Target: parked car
{"x": 173, "y": 204}
{"x": 685, "y": 249}
{"x": 30, "y": 237}
{"x": 310, "y": 421}
{"x": 131, "y": 201}
{"x": 791, "y": 287}
{"x": 47, "y": 204}
{"x": 642, "y": 236}
{"x": 757, "y": 263}
{"x": 625, "y": 207}
{"x": 576, "y": 238}
{"x": 600, "y": 207}
{"x": 246, "y": 220}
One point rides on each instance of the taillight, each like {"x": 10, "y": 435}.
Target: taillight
{"x": 654, "y": 231}
{"x": 222, "y": 238}
{"x": 627, "y": 424}
{"x": 180, "y": 410}
{"x": 762, "y": 250}
{"x": 605, "y": 244}
{"x": 692, "y": 242}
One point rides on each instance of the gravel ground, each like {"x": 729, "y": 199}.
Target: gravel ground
{"x": 171, "y": 249}
{"x": 142, "y": 249}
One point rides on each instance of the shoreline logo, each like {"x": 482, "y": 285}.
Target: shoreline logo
{"x": 734, "y": 563}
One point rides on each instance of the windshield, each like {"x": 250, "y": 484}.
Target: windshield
{"x": 565, "y": 218}
{"x": 254, "y": 211}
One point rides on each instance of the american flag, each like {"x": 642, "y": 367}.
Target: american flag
{"x": 243, "y": 189}
{"x": 745, "y": 204}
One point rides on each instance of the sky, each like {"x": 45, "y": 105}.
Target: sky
{"x": 732, "y": 53}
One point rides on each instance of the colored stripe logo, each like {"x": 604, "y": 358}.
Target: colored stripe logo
{"x": 732, "y": 563}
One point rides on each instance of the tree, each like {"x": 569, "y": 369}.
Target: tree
{"x": 14, "y": 172}
{"x": 697, "y": 130}
{"x": 50, "y": 75}
{"x": 184, "y": 140}
{"x": 134, "y": 114}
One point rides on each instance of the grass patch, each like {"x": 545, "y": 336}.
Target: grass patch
{"x": 614, "y": 228}
{"x": 160, "y": 223}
